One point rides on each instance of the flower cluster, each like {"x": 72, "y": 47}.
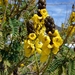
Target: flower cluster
{"x": 70, "y": 30}
{"x": 72, "y": 17}
{"x": 42, "y": 38}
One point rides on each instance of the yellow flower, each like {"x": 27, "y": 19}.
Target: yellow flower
{"x": 22, "y": 65}
{"x": 57, "y": 41}
{"x": 36, "y": 18}
{"x": 41, "y": 33}
{"x": 43, "y": 57}
{"x": 32, "y": 36}
{"x": 56, "y": 33}
{"x": 26, "y": 43}
{"x": 38, "y": 50}
{"x": 70, "y": 30}
{"x": 39, "y": 25}
{"x": 38, "y": 28}
{"x": 72, "y": 17}
{"x": 46, "y": 39}
{"x": 43, "y": 29}
{"x": 55, "y": 50}
{"x": 46, "y": 49}
{"x": 44, "y": 13}
{"x": 38, "y": 46}
{"x": 29, "y": 48}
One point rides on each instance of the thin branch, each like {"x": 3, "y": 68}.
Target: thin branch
{"x": 24, "y": 8}
{"x": 11, "y": 70}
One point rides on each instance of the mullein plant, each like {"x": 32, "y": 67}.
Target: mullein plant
{"x": 42, "y": 37}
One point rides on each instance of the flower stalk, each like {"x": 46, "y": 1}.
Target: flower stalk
{"x": 47, "y": 64}
{"x": 36, "y": 62}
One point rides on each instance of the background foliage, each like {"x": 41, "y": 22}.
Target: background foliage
{"x": 13, "y": 18}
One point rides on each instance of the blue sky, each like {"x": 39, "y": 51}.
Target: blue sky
{"x": 60, "y": 13}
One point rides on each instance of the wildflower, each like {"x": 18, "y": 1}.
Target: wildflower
{"x": 32, "y": 36}
{"x": 29, "y": 48}
{"x": 55, "y": 50}
{"x": 72, "y": 16}
{"x": 22, "y": 65}
{"x": 41, "y": 33}
{"x": 46, "y": 49}
{"x": 56, "y": 33}
{"x": 57, "y": 41}
{"x": 44, "y": 13}
{"x": 46, "y": 39}
{"x": 43, "y": 57}
{"x": 43, "y": 29}
{"x": 36, "y": 18}
{"x": 38, "y": 46}
{"x": 70, "y": 30}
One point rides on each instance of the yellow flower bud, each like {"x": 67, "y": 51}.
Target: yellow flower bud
{"x": 0, "y": 21}
{"x": 22, "y": 65}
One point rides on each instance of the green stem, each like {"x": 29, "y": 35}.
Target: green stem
{"x": 36, "y": 62}
{"x": 49, "y": 61}
{"x": 11, "y": 70}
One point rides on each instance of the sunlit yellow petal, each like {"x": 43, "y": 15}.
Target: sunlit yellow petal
{"x": 44, "y": 58}
{"x": 57, "y": 41}
{"x": 36, "y": 18}
{"x": 46, "y": 39}
{"x": 38, "y": 44}
{"x": 55, "y": 50}
{"x": 40, "y": 37}
{"x": 32, "y": 36}
{"x": 56, "y": 33}
{"x": 46, "y": 49}
{"x": 38, "y": 50}
{"x": 44, "y": 13}
{"x": 49, "y": 46}
{"x": 22, "y": 65}
{"x": 29, "y": 48}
